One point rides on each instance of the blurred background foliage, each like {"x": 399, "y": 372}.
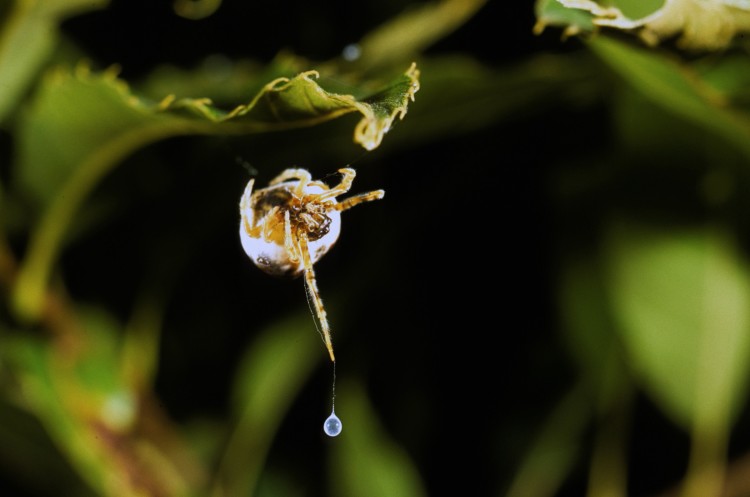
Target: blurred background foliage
{"x": 552, "y": 299}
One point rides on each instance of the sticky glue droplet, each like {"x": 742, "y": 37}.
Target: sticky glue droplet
{"x": 332, "y": 426}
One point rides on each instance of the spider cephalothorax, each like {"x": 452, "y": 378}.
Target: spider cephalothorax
{"x": 288, "y": 226}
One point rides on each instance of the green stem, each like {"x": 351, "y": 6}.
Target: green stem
{"x": 47, "y": 238}
{"x": 608, "y": 475}
{"x": 707, "y": 465}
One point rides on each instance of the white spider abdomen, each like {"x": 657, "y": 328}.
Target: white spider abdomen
{"x": 270, "y": 253}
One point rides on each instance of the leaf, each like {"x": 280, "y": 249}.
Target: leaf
{"x": 682, "y": 298}
{"x": 28, "y": 36}
{"x": 79, "y": 391}
{"x": 700, "y": 24}
{"x": 269, "y": 376}
{"x": 41, "y": 381}
{"x": 196, "y": 9}
{"x": 553, "y": 13}
{"x": 223, "y": 80}
{"x": 414, "y": 30}
{"x": 26, "y": 451}
{"x": 88, "y": 122}
{"x": 365, "y": 461}
{"x": 678, "y": 88}
{"x": 552, "y": 455}
{"x": 729, "y": 75}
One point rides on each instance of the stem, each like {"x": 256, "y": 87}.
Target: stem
{"x": 707, "y": 468}
{"x": 47, "y": 238}
{"x": 552, "y": 455}
{"x": 608, "y": 476}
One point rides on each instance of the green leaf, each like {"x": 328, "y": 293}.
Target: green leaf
{"x": 223, "y": 80}
{"x": 51, "y": 393}
{"x": 77, "y": 388}
{"x": 700, "y": 24}
{"x": 26, "y": 451}
{"x": 81, "y": 372}
{"x": 28, "y": 36}
{"x": 578, "y": 16}
{"x": 417, "y": 28}
{"x": 552, "y": 455}
{"x": 553, "y": 13}
{"x": 196, "y": 9}
{"x": 729, "y": 75}
{"x": 269, "y": 376}
{"x": 637, "y": 8}
{"x": 677, "y": 88}
{"x": 682, "y": 298}
{"x": 89, "y": 122}
{"x": 365, "y": 460}
{"x": 107, "y": 119}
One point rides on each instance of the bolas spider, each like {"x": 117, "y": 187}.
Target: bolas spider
{"x": 288, "y": 226}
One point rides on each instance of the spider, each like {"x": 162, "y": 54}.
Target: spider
{"x": 288, "y": 226}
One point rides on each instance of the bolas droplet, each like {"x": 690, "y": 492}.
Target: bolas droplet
{"x": 332, "y": 426}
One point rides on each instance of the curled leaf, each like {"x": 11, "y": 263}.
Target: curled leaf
{"x": 381, "y": 110}
{"x": 700, "y": 24}
{"x": 89, "y": 122}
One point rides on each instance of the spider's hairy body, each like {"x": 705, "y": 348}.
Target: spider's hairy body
{"x": 288, "y": 226}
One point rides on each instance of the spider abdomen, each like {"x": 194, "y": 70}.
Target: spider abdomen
{"x": 263, "y": 229}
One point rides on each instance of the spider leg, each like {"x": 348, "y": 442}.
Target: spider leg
{"x": 251, "y": 232}
{"x": 246, "y": 210}
{"x": 358, "y": 199}
{"x": 268, "y": 226}
{"x": 246, "y": 197}
{"x": 302, "y": 175}
{"x": 343, "y": 187}
{"x": 312, "y": 288}
{"x": 289, "y": 245}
